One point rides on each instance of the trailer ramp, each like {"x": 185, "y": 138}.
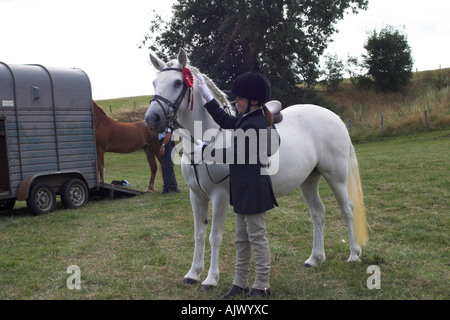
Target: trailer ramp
{"x": 111, "y": 191}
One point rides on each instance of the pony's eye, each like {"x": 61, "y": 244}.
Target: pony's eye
{"x": 178, "y": 83}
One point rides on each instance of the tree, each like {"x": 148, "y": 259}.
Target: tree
{"x": 284, "y": 39}
{"x": 358, "y": 73}
{"x": 334, "y": 72}
{"x": 389, "y": 59}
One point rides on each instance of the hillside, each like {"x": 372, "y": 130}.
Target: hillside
{"x": 365, "y": 109}
{"x": 402, "y": 112}
{"x": 126, "y": 109}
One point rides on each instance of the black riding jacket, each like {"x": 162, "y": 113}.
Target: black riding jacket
{"x": 250, "y": 191}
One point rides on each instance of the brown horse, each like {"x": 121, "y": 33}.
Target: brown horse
{"x": 114, "y": 136}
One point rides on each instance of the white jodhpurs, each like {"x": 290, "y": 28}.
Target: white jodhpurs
{"x": 251, "y": 234}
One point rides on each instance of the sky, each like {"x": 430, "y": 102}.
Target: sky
{"x": 102, "y": 37}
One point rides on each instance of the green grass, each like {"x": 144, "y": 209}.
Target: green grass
{"x": 126, "y": 109}
{"x": 121, "y": 104}
{"x": 141, "y": 247}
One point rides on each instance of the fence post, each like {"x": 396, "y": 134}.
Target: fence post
{"x": 426, "y": 119}
{"x": 349, "y": 124}
{"x": 110, "y": 110}
{"x": 382, "y": 126}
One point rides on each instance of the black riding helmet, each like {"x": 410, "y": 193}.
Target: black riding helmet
{"x": 252, "y": 85}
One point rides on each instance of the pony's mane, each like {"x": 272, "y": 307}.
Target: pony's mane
{"x": 219, "y": 93}
{"x": 100, "y": 109}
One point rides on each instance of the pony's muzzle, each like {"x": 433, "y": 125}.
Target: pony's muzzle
{"x": 155, "y": 121}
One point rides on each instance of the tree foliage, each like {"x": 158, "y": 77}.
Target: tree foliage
{"x": 284, "y": 39}
{"x": 389, "y": 59}
{"x": 334, "y": 72}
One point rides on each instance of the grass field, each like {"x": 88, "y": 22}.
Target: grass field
{"x": 141, "y": 247}
{"x": 403, "y": 112}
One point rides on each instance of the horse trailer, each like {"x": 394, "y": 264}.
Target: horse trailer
{"x": 47, "y": 138}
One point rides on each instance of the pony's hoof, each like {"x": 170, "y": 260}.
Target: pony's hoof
{"x": 354, "y": 260}
{"x": 189, "y": 281}
{"x": 207, "y": 287}
{"x": 307, "y": 266}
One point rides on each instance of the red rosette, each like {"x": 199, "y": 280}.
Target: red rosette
{"x": 188, "y": 77}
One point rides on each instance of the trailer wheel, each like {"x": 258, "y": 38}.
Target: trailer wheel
{"x": 41, "y": 199}
{"x": 74, "y": 194}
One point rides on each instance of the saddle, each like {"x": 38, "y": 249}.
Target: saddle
{"x": 275, "y": 107}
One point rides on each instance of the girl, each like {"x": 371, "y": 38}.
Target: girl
{"x": 251, "y": 193}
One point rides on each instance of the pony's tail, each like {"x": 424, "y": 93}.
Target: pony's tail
{"x": 356, "y": 195}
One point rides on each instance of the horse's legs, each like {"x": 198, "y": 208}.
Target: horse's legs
{"x": 200, "y": 209}
{"x": 220, "y": 204}
{"x": 101, "y": 163}
{"x": 153, "y": 168}
{"x": 310, "y": 192}
{"x": 338, "y": 184}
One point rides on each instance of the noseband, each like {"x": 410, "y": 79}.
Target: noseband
{"x": 171, "y": 120}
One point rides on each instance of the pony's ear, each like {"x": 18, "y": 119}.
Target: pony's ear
{"x": 157, "y": 63}
{"x": 182, "y": 58}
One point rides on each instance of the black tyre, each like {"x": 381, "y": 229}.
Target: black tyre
{"x": 74, "y": 194}
{"x": 41, "y": 199}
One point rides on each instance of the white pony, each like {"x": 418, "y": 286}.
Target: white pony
{"x": 314, "y": 143}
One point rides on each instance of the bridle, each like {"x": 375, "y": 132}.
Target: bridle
{"x": 171, "y": 120}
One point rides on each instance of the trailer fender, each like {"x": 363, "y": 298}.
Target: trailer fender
{"x": 54, "y": 179}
